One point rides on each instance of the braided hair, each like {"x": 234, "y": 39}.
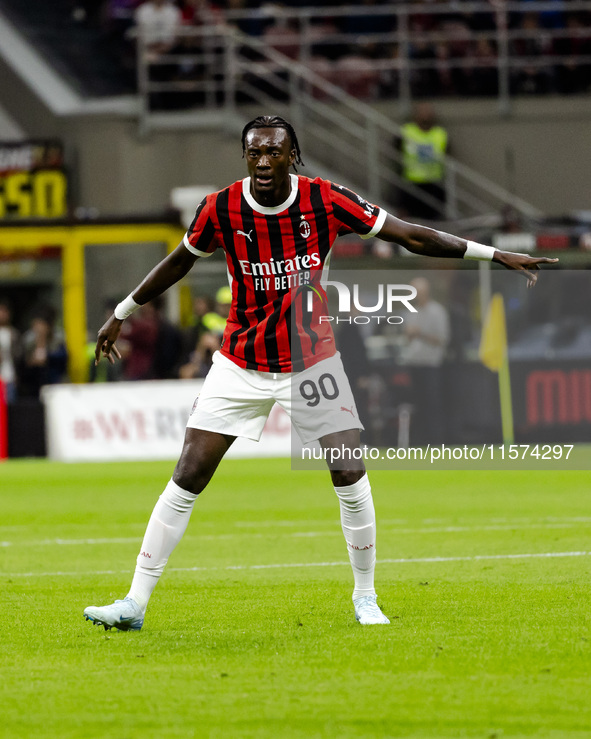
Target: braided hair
{"x": 274, "y": 121}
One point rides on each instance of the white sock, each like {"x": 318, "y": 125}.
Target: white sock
{"x": 166, "y": 527}
{"x": 358, "y": 520}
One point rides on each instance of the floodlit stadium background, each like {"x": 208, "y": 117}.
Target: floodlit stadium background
{"x": 124, "y": 144}
{"x": 103, "y": 163}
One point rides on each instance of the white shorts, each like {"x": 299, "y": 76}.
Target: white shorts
{"x": 237, "y": 401}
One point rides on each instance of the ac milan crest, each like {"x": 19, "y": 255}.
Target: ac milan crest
{"x": 305, "y": 229}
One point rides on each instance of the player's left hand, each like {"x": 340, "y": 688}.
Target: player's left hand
{"x": 529, "y": 266}
{"x": 105, "y": 344}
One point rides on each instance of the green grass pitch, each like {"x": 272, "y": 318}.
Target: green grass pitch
{"x": 251, "y": 631}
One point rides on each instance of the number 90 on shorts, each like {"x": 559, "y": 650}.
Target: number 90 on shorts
{"x": 322, "y": 400}
{"x": 326, "y": 388}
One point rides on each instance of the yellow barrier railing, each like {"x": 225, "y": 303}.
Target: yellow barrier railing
{"x": 72, "y": 239}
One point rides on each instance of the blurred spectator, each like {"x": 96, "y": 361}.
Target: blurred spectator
{"x": 427, "y": 333}
{"x": 424, "y": 79}
{"x": 200, "y": 56}
{"x": 202, "y": 305}
{"x": 357, "y": 74}
{"x": 326, "y": 70}
{"x": 281, "y": 34}
{"x": 457, "y": 47}
{"x": 215, "y": 321}
{"x": 390, "y": 77}
{"x": 423, "y": 145}
{"x": 200, "y": 359}
{"x": 44, "y": 358}
{"x": 572, "y": 75}
{"x": 199, "y": 12}
{"x": 158, "y": 21}
{"x": 194, "y": 14}
{"x": 150, "y": 346}
{"x": 321, "y": 31}
{"x": 10, "y": 350}
{"x": 482, "y": 77}
{"x": 139, "y": 343}
{"x": 460, "y": 36}
{"x": 254, "y": 22}
{"x": 205, "y": 336}
{"x": 168, "y": 345}
{"x": 554, "y": 17}
{"x": 421, "y": 20}
{"x": 447, "y": 77}
{"x": 511, "y": 220}
{"x": 532, "y": 42}
{"x": 284, "y": 36}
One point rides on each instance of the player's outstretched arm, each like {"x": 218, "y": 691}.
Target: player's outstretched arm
{"x": 166, "y": 273}
{"x": 432, "y": 243}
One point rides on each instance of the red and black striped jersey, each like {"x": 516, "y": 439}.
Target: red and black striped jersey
{"x": 275, "y": 256}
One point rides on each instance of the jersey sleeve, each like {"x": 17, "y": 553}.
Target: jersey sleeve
{"x": 355, "y": 213}
{"x": 200, "y": 237}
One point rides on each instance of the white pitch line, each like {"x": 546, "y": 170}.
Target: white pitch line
{"x": 70, "y": 542}
{"x": 296, "y": 534}
{"x": 474, "y": 558}
{"x": 509, "y": 522}
{"x": 449, "y": 529}
{"x": 292, "y": 565}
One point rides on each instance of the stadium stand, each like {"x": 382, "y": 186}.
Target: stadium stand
{"x": 374, "y": 52}
{"x": 78, "y": 45}
{"x": 351, "y": 74}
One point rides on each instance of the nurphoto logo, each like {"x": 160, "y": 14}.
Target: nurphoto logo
{"x": 384, "y": 299}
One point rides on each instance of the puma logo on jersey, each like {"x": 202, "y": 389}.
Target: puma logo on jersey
{"x": 246, "y": 235}
{"x": 349, "y": 410}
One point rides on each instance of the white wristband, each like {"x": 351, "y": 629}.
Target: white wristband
{"x": 125, "y": 308}
{"x": 474, "y": 250}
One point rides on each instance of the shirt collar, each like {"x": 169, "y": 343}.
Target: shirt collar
{"x": 270, "y": 210}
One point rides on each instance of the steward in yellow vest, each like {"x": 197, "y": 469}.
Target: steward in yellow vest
{"x": 423, "y": 146}
{"x": 423, "y": 153}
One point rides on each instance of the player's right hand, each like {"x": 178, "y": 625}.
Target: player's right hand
{"x": 105, "y": 343}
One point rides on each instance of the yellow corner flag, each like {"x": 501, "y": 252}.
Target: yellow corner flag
{"x": 493, "y": 344}
{"x": 493, "y": 354}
